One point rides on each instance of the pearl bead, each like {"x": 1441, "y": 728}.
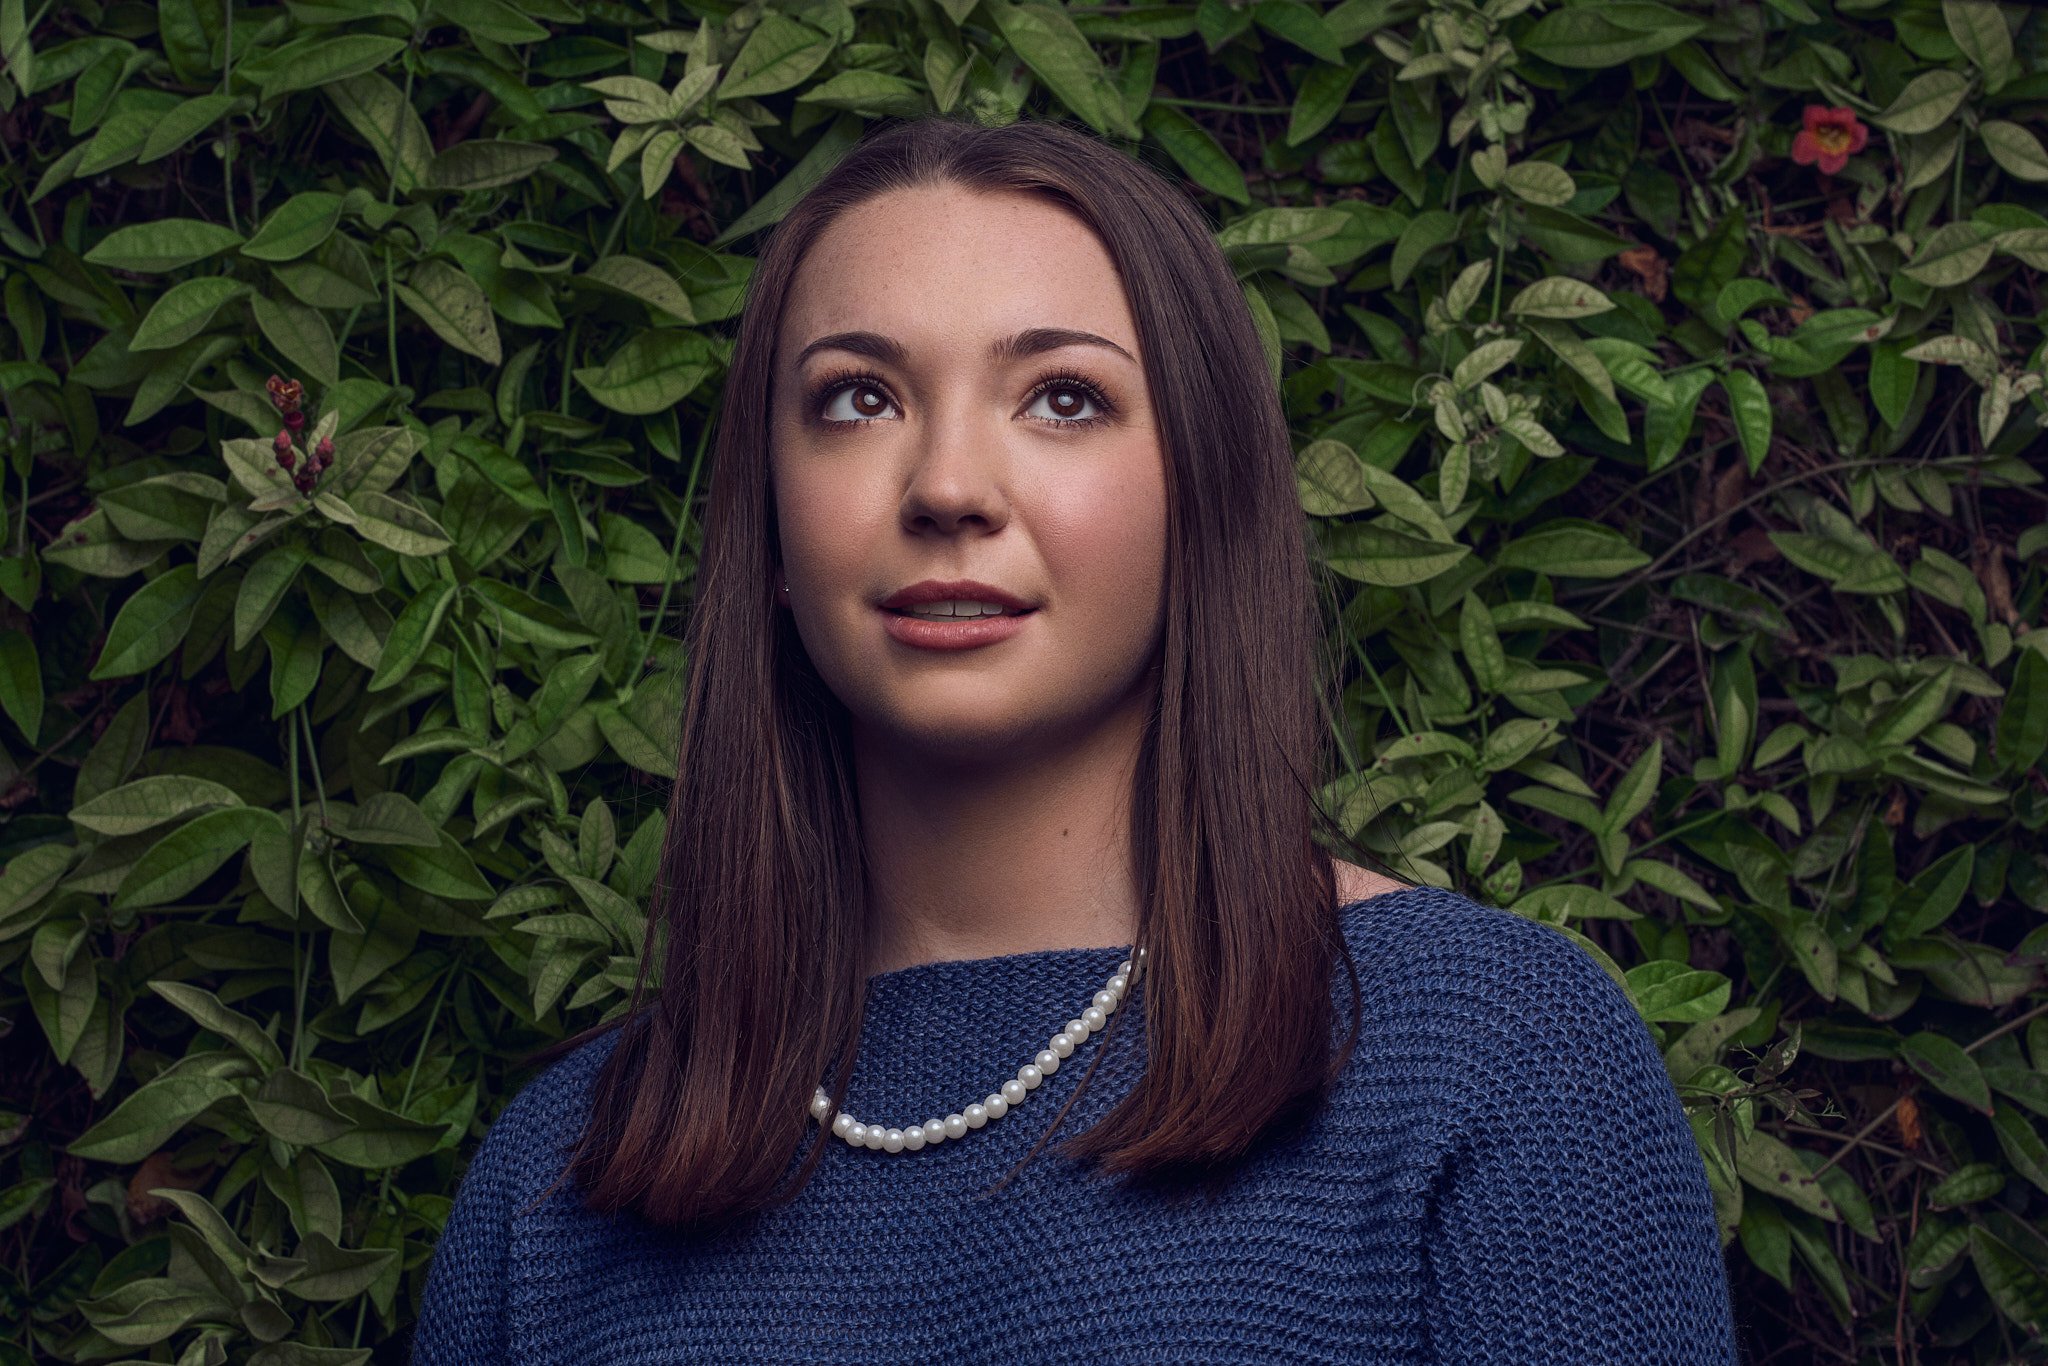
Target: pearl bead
{"x": 1030, "y": 1076}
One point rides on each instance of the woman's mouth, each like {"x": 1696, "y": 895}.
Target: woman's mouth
{"x": 922, "y": 628}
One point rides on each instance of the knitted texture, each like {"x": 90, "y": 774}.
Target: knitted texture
{"x": 1503, "y": 1175}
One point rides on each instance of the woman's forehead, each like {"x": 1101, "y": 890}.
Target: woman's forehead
{"x": 939, "y": 263}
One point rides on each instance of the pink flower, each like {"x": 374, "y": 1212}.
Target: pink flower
{"x": 1829, "y": 138}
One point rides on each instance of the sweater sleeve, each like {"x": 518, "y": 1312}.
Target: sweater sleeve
{"x": 462, "y": 1309}
{"x": 1572, "y": 1221}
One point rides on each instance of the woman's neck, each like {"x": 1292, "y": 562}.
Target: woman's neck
{"x": 999, "y": 856}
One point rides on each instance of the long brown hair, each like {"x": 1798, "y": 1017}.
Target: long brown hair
{"x": 757, "y": 931}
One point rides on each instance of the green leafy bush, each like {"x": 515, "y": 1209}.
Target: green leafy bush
{"x": 1668, "y": 385}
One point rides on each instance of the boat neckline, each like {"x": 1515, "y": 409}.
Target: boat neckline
{"x": 1026, "y": 958}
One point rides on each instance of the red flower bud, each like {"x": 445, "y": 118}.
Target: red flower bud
{"x": 324, "y": 452}
{"x": 286, "y": 458}
{"x": 283, "y": 443}
{"x": 295, "y": 420}
{"x": 285, "y": 395}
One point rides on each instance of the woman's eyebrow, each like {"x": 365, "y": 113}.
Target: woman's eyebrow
{"x": 1030, "y": 342}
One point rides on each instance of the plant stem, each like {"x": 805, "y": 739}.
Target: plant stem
{"x": 298, "y": 839}
{"x": 675, "y": 549}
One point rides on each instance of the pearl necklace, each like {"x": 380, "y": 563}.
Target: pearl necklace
{"x": 998, "y": 1102}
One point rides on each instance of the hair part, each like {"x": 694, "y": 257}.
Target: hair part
{"x": 759, "y": 916}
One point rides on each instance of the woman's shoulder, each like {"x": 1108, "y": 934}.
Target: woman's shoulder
{"x": 1480, "y": 969}
{"x": 535, "y": 1131}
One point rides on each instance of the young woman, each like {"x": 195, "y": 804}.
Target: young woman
{"x": 998, "y": 765}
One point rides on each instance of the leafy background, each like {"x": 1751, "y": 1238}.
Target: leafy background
{"x": 1667, "y": 381}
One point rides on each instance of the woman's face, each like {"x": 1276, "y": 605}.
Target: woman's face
{"x": 934, "y": 451}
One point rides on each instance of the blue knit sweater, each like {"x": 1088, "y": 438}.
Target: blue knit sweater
{"x": 1504, "y": 1175}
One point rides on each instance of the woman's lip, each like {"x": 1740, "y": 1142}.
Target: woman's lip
{"x": 925, "y": 634}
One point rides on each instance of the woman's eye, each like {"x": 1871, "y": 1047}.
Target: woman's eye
{"x": 855, "y": 403}
{"x": 1064, "y": 403}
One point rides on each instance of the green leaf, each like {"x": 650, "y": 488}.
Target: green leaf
{"x": 380, "y": 113}
{"x": 649, "y": 374}
{"x": 1296, "y": 23}
{"x": 1045, "y": 39}
{"x": 445, "y": 871}
{"x": 184, "y": 311}
{"x": 2019, "y": 1291}
{"x": 1378, "y": 554}
{"x": 149, "y": 802}
{"x": 150, "y": 623}
{"x": 176, "y": 127}
{"x": 290, "y": 1105}
{"x": 207, "y": 1011}
{"x": 1951, "y": 1070}
{"x": 2022, "y": 731}
{"x": 300, "y": 335}
{"x": 1750, "y": 406}
{"x": 378, "y": 1139}
{"x": 139, "y": 1125}
{"x": 485, "y": 164}
{"x": 1540, "y": 182}
{"x": 1952, "y": 256}
{"x": 2014, "y": 148}
{"x": 642, "y": 280}
{"x": 1318, "y": 100}
{"x": 391, "y": 818}
{"x": 21, "y": 683}
{"x": 1669, "y": 991}
{"x": 1892, "y": 380}
{"x": 316, "y": 61}
{"x": 1424, "y": 234}
{"x": 873, "y": 94}
{"x": 334, "y": 1274}
{"x": 1604, "y": 35}
{"x": 1926, "y": 103}
{"x": 396, "y": 525}
{"x": 1196, "y": 153}
{"x": 454, "y": 306}
{"x": 1772, "y": 1166}
{"x": 412, "y": 633}
{"x": 161, "y": 245}
{"x": 1573, "y": 549}
{"x": 1981, "y": 35}
{"x": 1556, "y": 296}
{"x": 780, "y": 54}
{"x": 296, "y": 227}
{"x": 189, "y": 855}
{"x": 2022, "y": 1145}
